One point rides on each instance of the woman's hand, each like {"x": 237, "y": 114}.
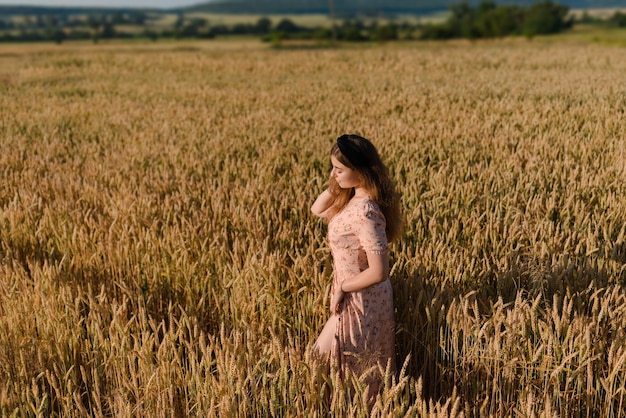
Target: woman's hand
{"x": 322, "y": 203}
{"x": 336, "y": 305}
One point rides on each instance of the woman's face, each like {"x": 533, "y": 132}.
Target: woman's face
{"x": 346, "y": 177}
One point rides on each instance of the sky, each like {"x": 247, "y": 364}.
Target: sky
{"x": 165, "y": 4}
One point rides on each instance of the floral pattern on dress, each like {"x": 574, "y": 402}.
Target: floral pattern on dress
{"x": 365, "y": 331}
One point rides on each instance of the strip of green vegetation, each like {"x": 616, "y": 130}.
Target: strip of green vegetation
{"x": 487, "y": 20}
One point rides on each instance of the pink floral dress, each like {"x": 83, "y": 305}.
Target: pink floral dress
{"x": 365, "y": 330}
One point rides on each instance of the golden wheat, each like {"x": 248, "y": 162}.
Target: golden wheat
{"x": 158, "y": 257}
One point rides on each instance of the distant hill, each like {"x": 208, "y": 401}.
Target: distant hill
{"x": 352, "y": 7}
{"x": 64, "y": 11}
{"x": 321, "y": 6}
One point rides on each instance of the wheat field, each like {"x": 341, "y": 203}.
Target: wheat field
{"x": 158, "y": 257}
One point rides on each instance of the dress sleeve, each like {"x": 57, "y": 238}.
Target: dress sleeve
{"x": 370, "y": 229}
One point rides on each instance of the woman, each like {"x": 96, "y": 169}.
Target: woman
{"x": 363, "y": 212}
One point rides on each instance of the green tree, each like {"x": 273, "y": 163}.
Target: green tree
{"x": 544, "y": 18}
{"x": 59, "y": 36}
{"x": 461, "y": 21}
{"x": 180, "y": 21}
{"x": 137, "y": 18}
{"x": 351, "y": 34}
{"x": 108, "y": 30}
{"x": 118, "y": 18}
{"x": 323, "y": 34}
{"x": 386, "y": 32}
{"x": 489, "y": 20}
{"x": 264, "y": 25}
{"x": 94, "y": 24}
{"x": 189, "y": 31}
{"x": 486, "y": 6}
{"x": 618, "y": 20}
{"x": 28, "y": 22}
{"x": 433, "y": 31}
{"x": 500, "y": 21}
{"x": 151, "y": 34}
{"x": 351, "y": 31}
{"x": 287, "y": 26}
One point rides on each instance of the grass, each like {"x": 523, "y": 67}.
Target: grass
{"x": 592, "y": 34}
{"x": 158, "y": 257}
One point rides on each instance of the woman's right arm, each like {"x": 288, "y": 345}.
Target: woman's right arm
{"x": 322, "y": 204}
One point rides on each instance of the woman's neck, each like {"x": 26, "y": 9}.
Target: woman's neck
{"x": 360, "y": 192}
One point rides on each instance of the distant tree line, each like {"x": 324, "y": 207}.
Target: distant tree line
{"x": 61, "y": 27}
{"x": 349, "y": 30}
{"x": 486, "y": 20}
{"x": 118, "y": 26}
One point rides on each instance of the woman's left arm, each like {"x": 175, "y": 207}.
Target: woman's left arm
{"x": 377, "y": 272}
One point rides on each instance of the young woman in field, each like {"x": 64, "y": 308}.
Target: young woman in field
{"x": 363, "y": 212}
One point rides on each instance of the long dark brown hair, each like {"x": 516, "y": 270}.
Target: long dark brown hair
{"x": 361, "y": 155}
